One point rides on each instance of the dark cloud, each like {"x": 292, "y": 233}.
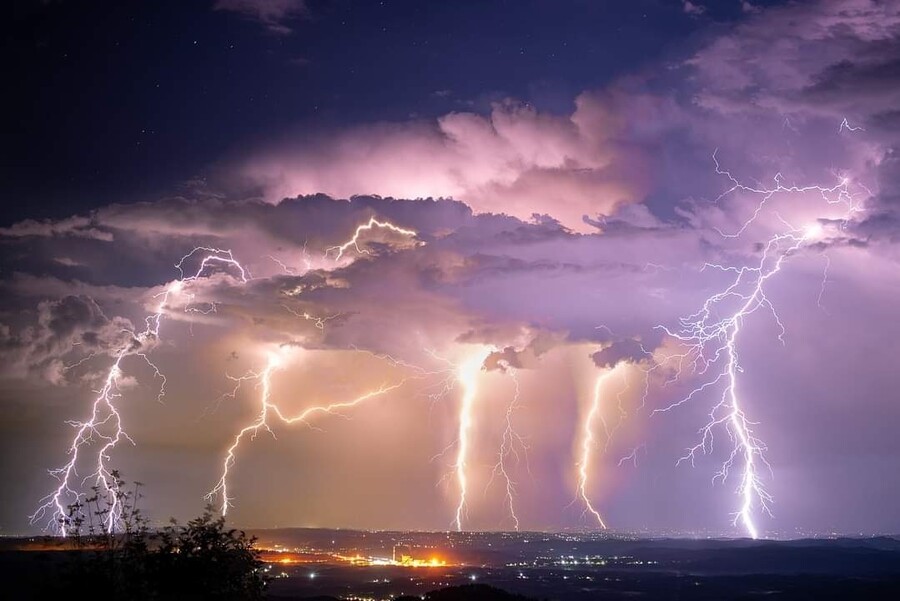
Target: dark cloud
{"x": 525, "y": 357}
{"x": 847, "y": 80}
{"x": 72, "y": 327}
{"x": 80, "y": 227}
{"x": 628, "y": 350}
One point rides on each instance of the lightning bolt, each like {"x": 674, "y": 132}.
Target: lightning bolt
{"x": 510, "y": 443}
{"x": 632, "y": 457}
{"x": 832, "y": 195}
{"x": 105, "y": 421}
{"x": 261, "y": 421}
{"x": 269, "y": 410}
{"x": 319, "y": 322}
{"x": 710, "y": 339}
{"x": 467, "y": 375}
{"x": 360, "y": 229}
{"x": 588, "y": 443}
{"x": 846, "y": 125}
{"x": 267, "y": 407}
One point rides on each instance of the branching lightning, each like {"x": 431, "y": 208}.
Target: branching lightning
{"x": 104, "y": 424}
{"x": 353, "y": 242}
{"x": 274, "y": 362}
{"x": 833, "y": 195}
{"x": 710, "y": 338}
{"x": 269, "y": 410}
{"x": 512, "y": 447}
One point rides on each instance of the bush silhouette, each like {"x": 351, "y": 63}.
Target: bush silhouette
{"x": 472, "y": 592}
{"x": 204, "y": 560}
{"x": 200, "y": 560}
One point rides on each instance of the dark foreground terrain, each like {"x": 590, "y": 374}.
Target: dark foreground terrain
{"x": 325, "y": 564}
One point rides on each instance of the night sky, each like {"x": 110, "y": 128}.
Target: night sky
{"x": 590, "y": 230}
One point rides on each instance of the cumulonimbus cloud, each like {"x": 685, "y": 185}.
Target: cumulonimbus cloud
{"x": 512, "y": 263}
{"x": 516, "y": 160}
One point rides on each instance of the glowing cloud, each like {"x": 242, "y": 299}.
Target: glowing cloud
{"x": 105, "y": 421}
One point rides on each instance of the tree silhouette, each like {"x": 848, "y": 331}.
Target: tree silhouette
{"x": 200, "y": 560}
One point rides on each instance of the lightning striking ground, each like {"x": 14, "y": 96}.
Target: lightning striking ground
{"x": 588, "y": 444}
{"x": 275, "y": 361}
{"x": 710, "y": 339}
{"x": 104, "y": 424}
{"x": 846, "y": 125}
{"x": 268, "y": 408}
{"x": 467, "y": 374}
{"x": 512, "y": 447}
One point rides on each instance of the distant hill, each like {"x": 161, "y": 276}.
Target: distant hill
{"x": 468, "y": 592}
